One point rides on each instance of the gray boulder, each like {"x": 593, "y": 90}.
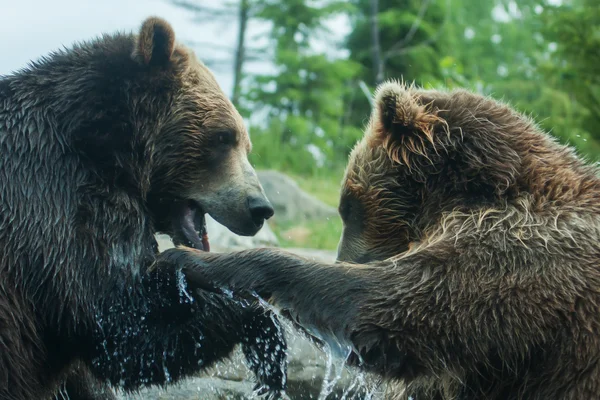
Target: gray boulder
{"x": 290, "y": 202}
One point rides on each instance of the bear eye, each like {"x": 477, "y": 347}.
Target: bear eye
{"x": 351, "y": 210}
{"x": 226, "y": 138}
{"x": 344, "y": 210}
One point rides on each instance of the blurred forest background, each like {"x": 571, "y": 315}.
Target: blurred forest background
{"x": 305, "y": 114}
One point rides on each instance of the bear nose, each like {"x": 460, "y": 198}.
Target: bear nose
{"x": 260, "y": 209}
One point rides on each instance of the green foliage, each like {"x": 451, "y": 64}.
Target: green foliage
{"x": 412, "y": 56}
{"x": 411, "y": 37}
{"x": 514, "y": 59}
{"x": 303, "y": 101}
{"x": 574, "y": 69}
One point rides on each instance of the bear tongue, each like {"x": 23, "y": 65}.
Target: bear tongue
{"x": 205, "y": 243}
{"x": 184, "y": 227}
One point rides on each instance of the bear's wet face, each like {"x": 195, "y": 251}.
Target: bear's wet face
{"x": 379, "y": 211}
{"x": 412, "y": 166}
{"x": 200, "y": 151}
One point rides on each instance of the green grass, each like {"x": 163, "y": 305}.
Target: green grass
{"x": 316, "y": 234}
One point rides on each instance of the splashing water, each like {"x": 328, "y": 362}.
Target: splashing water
{"x": 371, "y": 388}
{"x": 280, "y": 335}
{"x": 349, "y": 389}
{"x": 228, "y": 293}
{"x": 337, "y": 354}
{"x": 333, "y": 372}
{"x": 182, "y": 285}
{"x": 166, "y": 371}
{"x": 275, "y": 314}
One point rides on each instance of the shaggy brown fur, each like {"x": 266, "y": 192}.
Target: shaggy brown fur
{"x": 479, "y": 238}
{"x": 103, "y": 145}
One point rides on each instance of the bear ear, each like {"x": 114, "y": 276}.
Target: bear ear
{"x": 401, "y": 123}
{"x": 155, "y": 42}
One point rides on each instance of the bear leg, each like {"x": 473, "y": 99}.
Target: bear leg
{"x": 80, "y": 384}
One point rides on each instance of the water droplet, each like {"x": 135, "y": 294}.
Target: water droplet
{"x": 182, "y": 285}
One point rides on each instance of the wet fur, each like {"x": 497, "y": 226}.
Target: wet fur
{"x": 479, "y": 238}
{"x": 84, "y": 294}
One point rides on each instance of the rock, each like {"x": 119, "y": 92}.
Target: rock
{"x": 222, "y": 239}
{"x": 289, "y": 201}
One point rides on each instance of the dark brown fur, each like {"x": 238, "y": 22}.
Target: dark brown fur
{"x": 97, "y": 143}
{"x": 479, "y": 242}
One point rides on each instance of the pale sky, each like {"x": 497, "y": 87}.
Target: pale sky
{"x": 32, "y": 28}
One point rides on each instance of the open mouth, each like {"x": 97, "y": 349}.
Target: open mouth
{"x": 189, "y": 226}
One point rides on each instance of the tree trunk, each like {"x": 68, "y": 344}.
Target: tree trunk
{"x": 240, "y": 50}
{"x": 378, "y": 62}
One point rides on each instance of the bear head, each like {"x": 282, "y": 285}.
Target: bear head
{"x": 426, "y": 153}
{"x": 154, "y": 117}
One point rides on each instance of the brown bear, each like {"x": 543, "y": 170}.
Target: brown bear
{"x": 469, "y": 265}
{"x": 103, "y": 145}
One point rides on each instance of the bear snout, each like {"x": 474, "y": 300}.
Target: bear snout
{"x": 260, "y": 209}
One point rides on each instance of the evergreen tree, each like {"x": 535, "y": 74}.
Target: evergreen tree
{"x": 302, "y": 101}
